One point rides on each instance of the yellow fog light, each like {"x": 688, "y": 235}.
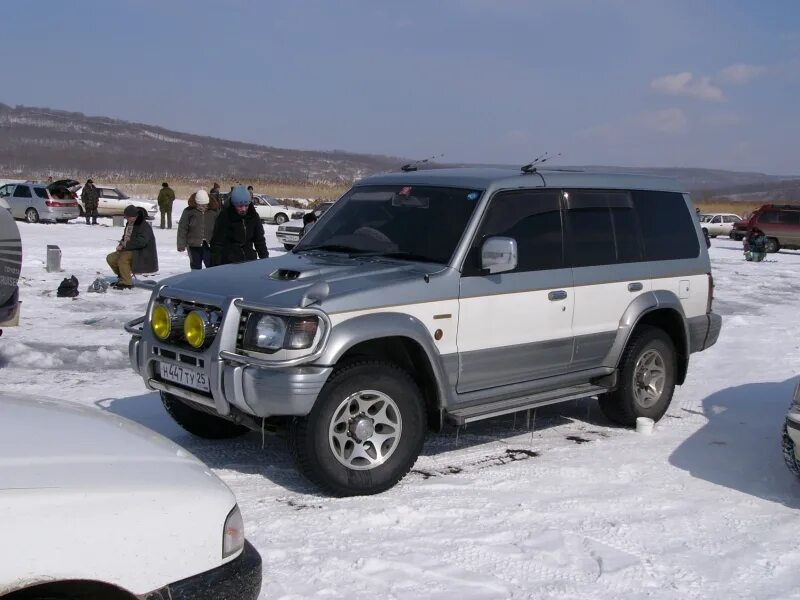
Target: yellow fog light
{"x": 194, "y": 328}
{"x": 161, "y": 322}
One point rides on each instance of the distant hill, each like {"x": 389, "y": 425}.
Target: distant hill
{"x": 44, "y": 141}
{"x": 47, "y": 141}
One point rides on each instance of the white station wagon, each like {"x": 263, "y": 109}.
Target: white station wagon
{"x": 94, "y": 506}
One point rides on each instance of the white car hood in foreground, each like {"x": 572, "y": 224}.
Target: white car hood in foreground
{"x": 88, "y": 495}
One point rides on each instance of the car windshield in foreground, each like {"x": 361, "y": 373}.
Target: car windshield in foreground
{"x": 421, "y": 223}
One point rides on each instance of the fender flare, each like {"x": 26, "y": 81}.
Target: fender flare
{"x": 638, "y": 308}
{"x": 374, "y": 326}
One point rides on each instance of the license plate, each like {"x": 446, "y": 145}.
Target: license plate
{"x": 292, "y": 238}
{"x": 193, "y": 378}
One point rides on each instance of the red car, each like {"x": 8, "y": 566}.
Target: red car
{"x": 779, "y": 222}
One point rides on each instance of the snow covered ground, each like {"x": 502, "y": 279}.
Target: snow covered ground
{"x": 564, "y": 507}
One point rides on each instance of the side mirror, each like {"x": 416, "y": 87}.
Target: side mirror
{"x": 499, "y": 254}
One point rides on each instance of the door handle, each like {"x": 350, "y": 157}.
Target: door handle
{"x": 557, "y": 295}
{"x": 635, "y": 287}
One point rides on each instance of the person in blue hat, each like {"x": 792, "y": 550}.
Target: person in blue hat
{"x": 238, "y": 233}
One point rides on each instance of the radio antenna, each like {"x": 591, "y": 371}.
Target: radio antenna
{"x": 415, "y": 165}
{"x": 537, "y": 162}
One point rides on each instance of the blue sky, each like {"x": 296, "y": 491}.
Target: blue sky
{"x": 635, "y": 83}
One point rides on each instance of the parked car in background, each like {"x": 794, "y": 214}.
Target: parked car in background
{"x": 272, "y": 211}
{"x": 719, "y": 223}
{"x": 98, "y": 507}
{"x": 322, "y": 208}
{"x": 10, "y": 266}
{"x": 32, "y": 201}
{"x": 289, "y": 234}
{"x": 779, "y": 222}
{"x": 113, "y": 201}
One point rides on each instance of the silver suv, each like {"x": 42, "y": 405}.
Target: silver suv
{"x": 437, "y": 296}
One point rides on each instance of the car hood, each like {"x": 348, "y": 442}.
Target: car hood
{"x": 46, "y": 444}
{"x": 338, "y": 282}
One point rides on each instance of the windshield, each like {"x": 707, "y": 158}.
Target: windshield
{"x": 413, "y": 222}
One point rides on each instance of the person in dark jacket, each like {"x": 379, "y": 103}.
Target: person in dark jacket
{"x": 196, "y": 228}
{"x": 165, "y": 199}
{"x": 136, "y": 251}
{"x": 238, "y": 232}
{"x": 755, "y": 245}
{"x": 90, "y": 196}
{"x": 214, "y": 193}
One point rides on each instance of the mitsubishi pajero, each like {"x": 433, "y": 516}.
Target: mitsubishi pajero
{"x": 432, "y": 296}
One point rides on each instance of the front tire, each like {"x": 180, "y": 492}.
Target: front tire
{"x": 365, "y": 431}
{"x": 32, "y": 215}
{"x": 772, "y": 246}
{"x": 646, "y": 379}
{"x": 288, "y": 247}
{"x": 200, "y": 423}
{"x": 280, "y": 219}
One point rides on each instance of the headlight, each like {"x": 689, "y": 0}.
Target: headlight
{"x": 197, "y": 328}
{"x": 164, "y": 321}
{"x": 271, "y": 332}
{"x": 233, "y": 533}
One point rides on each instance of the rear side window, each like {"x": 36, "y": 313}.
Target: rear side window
{"x": 42, "y": 193}
{"x": 23, "y": 191}
{"x": 790, "y": 217}
{"x": 668, "y": 229}
{"x": 533, "y": 219}
{"x": 601, "y": 228}
{"x": 768, "y": 216}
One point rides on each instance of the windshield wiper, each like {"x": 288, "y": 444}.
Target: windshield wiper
{"x": 402, "y": 255}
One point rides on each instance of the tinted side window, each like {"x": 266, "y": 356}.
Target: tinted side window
{"x": 790, "y": 217}
{"x": 533, "y": 219}
{"x": 601, "y": 228}
{"x": 42, "y": 193}
{"x": 668, "y": 230}
{"x": 23, "y": 191}
{"x": 768, "y": 216}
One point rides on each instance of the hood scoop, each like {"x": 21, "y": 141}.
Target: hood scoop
{"x": 292, "y": 274}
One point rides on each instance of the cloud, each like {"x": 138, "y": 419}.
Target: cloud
{"x": 739, "y": 74}
{"x": 669, "y": 120}
{"x": 686, "y": 84}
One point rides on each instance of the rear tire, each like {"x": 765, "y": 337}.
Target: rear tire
{"x": 365, "y": 431}
{"x": 772, "y": 246}
{"x": 32, "y": 215}
{"x": 646, "y": 379}
{"x": 200, "y": 423}
{"x": 288, "y": 247}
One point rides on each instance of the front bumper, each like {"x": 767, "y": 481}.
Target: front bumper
{"x": 239, "y": 579}
{"x": 253, "y": 390}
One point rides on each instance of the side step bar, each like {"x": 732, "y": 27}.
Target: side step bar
{"x": 462, "y": 416}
